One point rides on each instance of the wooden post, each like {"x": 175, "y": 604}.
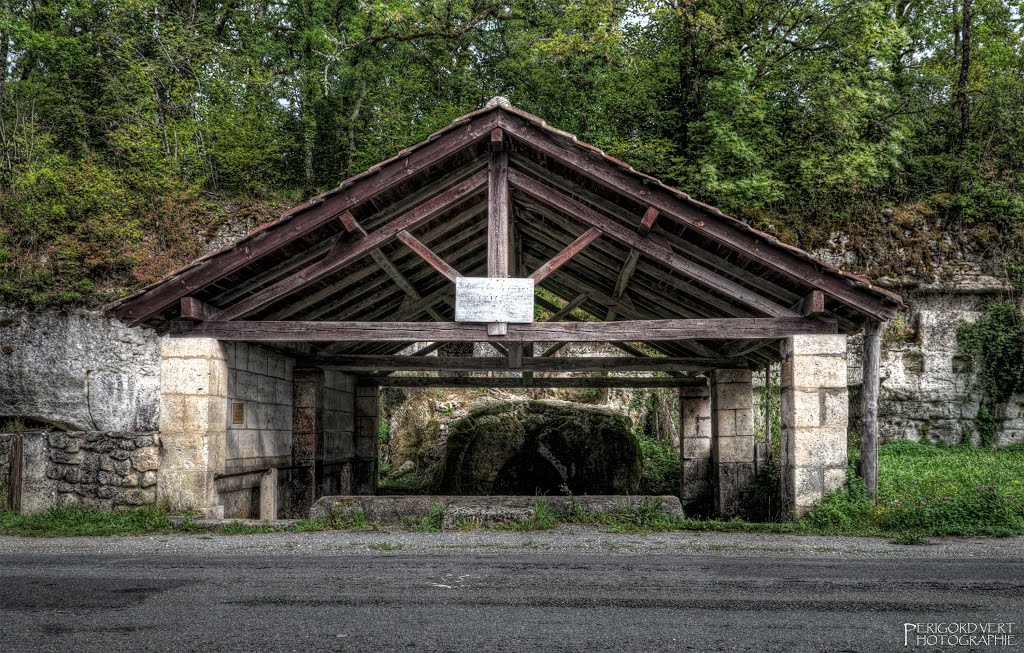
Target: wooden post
{"x": 869, "y": 408}
{"x": 497, "y": 217}
{"x": 767, "y": 406}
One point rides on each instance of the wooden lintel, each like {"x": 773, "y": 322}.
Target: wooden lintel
{"x": 535, "y": 382}
{"x": 560, "y": 259}
{"x": 413, "y": 363}
{"x": 428, "y": 255}
{"x": 644, "y": 330}
{"x": 195, "y": 310}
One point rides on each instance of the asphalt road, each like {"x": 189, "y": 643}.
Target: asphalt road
{"x": 479, "y": 599}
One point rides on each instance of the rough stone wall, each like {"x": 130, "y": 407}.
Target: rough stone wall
{"x": 927, "y": 390}
{"x": 94, "y": 469}
{"x": 339, "y": 417}
{"x": 78, "y": 371}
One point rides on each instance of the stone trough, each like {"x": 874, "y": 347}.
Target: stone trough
{"x": 481, "y": 510}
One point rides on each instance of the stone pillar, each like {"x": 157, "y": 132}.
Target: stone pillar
{"x": 815, "y": 413}
{"x": 695, "y": 450}
{"x": 732, "y": 437}
{"x": 367, "y": 429}
{"x": 193, "y": 423}
{"x": 268, "y": 495}
{"x": 307, "y": 438}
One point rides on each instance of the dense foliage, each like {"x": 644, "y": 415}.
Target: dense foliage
{"x": 131, "y": 130}
{"x": 995, "y": 346}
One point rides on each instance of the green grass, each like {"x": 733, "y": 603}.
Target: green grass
{"x": 73, "y": 520}
{"x": 925, "y": 491}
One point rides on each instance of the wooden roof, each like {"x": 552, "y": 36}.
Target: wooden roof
{"x": 619, "y": 245}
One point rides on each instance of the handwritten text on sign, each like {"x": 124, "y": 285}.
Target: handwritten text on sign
{"x": 484, "y": 299}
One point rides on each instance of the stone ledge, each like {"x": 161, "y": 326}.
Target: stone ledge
{"x": 395, "y": 509}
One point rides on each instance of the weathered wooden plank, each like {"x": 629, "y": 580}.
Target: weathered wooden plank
{"x": 647, "y": 222}
{"x": 711, "y": 329}
{"x": 869, "y": 407}
{"x": 428, "y": 255}
{"x": 351, "y": 251}
{"x": 650, "y": 246}
{"x": 737, "y": 237}
{"x": 351, "y": 225}
{"x": 571, "y": 250}
{"x": 536, "y": 382}
{"x": 304, "y": 220}
{"x": 415, "y": 363}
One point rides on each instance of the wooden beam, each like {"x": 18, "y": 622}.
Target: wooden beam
{"x": 647, "y": 222}
{"x": 415, "y": 363}
{"x": 568, "y": 308}
{"x": 813, "y": 305}
{"x": 514, "y": 361}
{"x": 571, "y": 250}
{"x": 497, "y": 217}
{"x": 542, "y": 382}
{"x": 720, "y": 228}
{"x": 428, "y": 255}
{"x": 194, "y": 310}
{"x": 305, "y": 219}
{"x": 396, "y": 276}
{"x": 869, "y": 407}
{"x": 351, "y": 251}
{"x": 650, "y": 246}
{"x": 351, "y": 225}
{"x": 429, "y": 349}
{"x": 712, "y": 329}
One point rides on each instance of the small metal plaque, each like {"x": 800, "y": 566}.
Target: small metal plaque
{"x": 237, "y": 413}
{"x": 486, "y": 299}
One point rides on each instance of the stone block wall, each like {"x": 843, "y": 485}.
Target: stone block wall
{"x": 260, "y": 380}
{"x": 814, "y": 409}
{"x": 339, "y": 448}
{"x": 695, "y": 427}
{"x": 5, "y": 468}
{"x": 732, "y": 437}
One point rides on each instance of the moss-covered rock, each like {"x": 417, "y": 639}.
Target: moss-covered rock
{"x": 522, "y": 447}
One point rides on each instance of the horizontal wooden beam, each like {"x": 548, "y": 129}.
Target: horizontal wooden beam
{"x": 195, "y": 310}
{"x": 533, "y": 364}
{"x": 542, "y": 382}
{"x": 710, "y": 329}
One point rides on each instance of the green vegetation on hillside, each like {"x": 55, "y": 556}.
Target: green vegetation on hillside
{"x": 132, "y": 130}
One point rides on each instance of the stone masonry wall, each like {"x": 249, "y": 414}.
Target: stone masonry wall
{"x": 94, "y": 469}
{"x": 5, "y": 468}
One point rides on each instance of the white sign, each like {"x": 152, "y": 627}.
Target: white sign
{"x": 485, "y": 299}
